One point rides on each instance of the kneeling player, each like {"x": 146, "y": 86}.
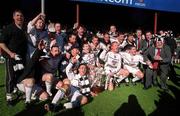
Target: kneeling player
{"x": 27, "y": 85}
{"x": 76, "y": 88}
{"x": 131, "y": 60}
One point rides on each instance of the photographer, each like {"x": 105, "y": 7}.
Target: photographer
{"x": 170, "y": 41}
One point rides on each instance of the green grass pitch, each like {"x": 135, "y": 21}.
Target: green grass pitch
{"x": 123, "y": 101}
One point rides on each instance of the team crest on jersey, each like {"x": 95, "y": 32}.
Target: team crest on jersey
{"x": 114, "y": 62}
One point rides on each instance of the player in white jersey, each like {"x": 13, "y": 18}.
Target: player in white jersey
{"x": 96, "y": 70}
{"x": 87, "y": 56}
{"x": 96, "y": 45}
{"x": 131, "y": 60}
{"x": 76, "y": 88}
{"x": 112, "y": 66}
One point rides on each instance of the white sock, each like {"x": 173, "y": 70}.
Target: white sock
{"x": 28, "y": 92}
{"x": 68, "y": 105}
{"x": 135, "y": 79}
{"x": 107, "y": 82}
{"x": 127, "y": 80}
{"x": 175, "y": 61}
{"x": 59, "y": 95}
{"x": 8, "y": 97}
{"x": 120, "y": 78}
{"x": 48, "y": 87}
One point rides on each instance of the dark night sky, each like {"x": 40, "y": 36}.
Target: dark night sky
{"x": 91, "y": 15}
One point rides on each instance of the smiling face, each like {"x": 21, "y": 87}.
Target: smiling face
{"x": 18, "y": 18}
{"x": 120, "y": 38}
{"x": 95, "y": 40}
{"x": 114, "y": 47}
{"x": 80, "y": 30}
{"x": 113, "y": 28}
{"x": 82, "y": 70}
{"x": 133, "y": 50}
{"x": 39, "y": 24}
{"x": 55, "y": 51}
{"x": 130, "y": 38}
{"x": 74, "y": 52}
{"x": 106, "y": 37}
{"x": 72, "y": 39}
{"x": 86, "y": 48}
{"x": 58, "y": 27}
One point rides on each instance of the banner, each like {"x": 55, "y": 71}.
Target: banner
{"x": 161, "y": 5}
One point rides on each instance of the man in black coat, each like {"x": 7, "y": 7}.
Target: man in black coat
{"x": 13, "y": 41}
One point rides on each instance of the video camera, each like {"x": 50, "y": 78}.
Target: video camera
{"x": 169, "y": 34}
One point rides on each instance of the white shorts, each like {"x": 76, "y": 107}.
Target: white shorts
{"x": 132, "y": 70}
{"x": 36, "y": 89}
{"x": 74, "y": 94}
{"x": 55, "y": 78}
{"x": 109, "y": 69}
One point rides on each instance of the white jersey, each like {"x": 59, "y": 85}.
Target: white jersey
{"x": 132, "y": 60}
{"x": 89, "y": 58}
{"x": 112, "y": 61}
{"x": 96, "y": 49}
{"x": 122, "y": 45}
{"x": 33, "y": 36}
{"x": 74, "y": 78}
{"x": 81, "y": 82}
{"x": 67, "y": 47}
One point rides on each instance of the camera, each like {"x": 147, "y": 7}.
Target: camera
{"x": 169, "y": 34}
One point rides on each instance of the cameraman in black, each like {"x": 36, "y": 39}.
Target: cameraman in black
{"x": 170, "y": 41}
